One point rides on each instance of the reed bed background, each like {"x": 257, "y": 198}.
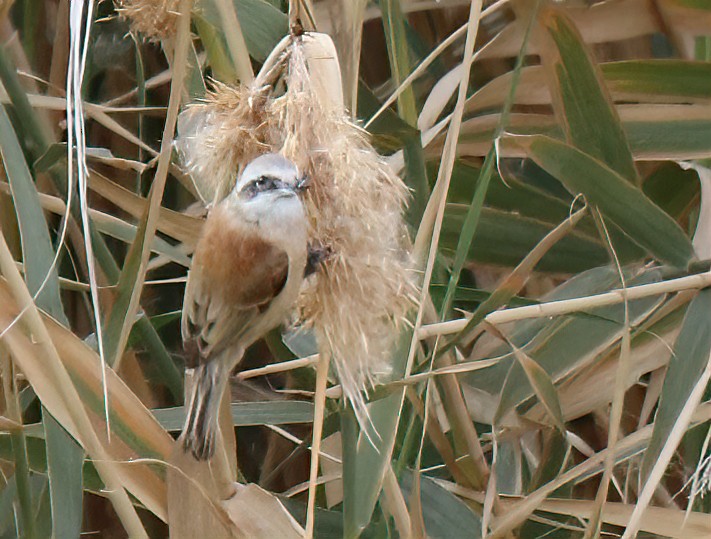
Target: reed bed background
{"x": 550, "y": 377}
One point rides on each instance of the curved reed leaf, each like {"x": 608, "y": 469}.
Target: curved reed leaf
{"x": 581, "y": 99}
{"x": 625, "y": 205}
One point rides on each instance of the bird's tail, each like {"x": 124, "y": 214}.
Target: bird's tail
{"x": 200, "y": 430}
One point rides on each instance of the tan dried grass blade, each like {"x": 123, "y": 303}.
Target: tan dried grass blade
{"x": 197, "y": 509}
{"x": 26, "y": 352}
{"x": 592, "y": 388}
{"x": 106, "y": 224}
{"x": 520, "y": 512}
{"x": 152, "y": 214}
{"x": 681, "y": 426}
{"x": 319, "y": 412}
{"x": 179, "y": 226}
{"x": 137, "y": 432}
{"x": 235, "y": 40}
{"x": 660, "y": 520}
{"x": 331, "y": 467}
{"x": 602, "y": 23}
{"x": 260, "y": 515}
{"x": 395, "y": 504}
{"x": 192, "y": 493}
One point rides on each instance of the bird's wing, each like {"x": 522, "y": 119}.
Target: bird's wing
{"x": 235, "y": 275}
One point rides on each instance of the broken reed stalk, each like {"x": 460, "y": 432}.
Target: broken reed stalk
{"x": 568, "y": 306}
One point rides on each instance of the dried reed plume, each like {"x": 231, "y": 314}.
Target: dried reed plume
{"x": 357, "y": 300}
{"x": 154, "y": 19}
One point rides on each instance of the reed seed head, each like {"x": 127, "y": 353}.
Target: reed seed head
{"x": 355, "y": 205}
{"x": 154, "y": 19}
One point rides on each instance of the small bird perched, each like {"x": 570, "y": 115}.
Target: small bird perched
{"x": 246, "y": 273}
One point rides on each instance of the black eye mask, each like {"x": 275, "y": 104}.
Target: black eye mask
{"x": 261, "y": 184}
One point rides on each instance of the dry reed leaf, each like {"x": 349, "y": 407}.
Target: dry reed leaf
{"x": 248, "y": 508}
{"x": 663, "y": 521}
{"x": 475, "y": 144}
{"x": 347, "y": 19}
{"x": 249, "y": 513}
{"x": 134, "y": 376}
{"x": 702, "y": 234}
{"x": 659, "y": 520}
{"x": 327, "y": 25}
{"x": 182, "y": 227}
{"x": 236, "y": 44}
{"x": 598, "y": 24}
{"x": 123, "y": 231}
{"x": 439, "y": 97}
{"x": 132, "y": 423}
{"x": 680, "y": 427}
{"x": 396, "y": 507}
{"x": 98, "y": 113}
{"x": 533, "y": 90}
{"x": 8, "y": 425}
{"x": 192, "y": 490}
{"x": 332, "y": 445}
{"x": 355, "y": 204}
{"x": 591, "y": 387}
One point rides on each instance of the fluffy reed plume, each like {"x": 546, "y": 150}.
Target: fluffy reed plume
{"x": 154, "y": 19}
{"x": 355, "y": 205}
{"x": 356, "y": 210}
{"x": 218, "y": 137}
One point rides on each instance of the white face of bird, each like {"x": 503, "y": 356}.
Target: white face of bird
{"x": 270, "y": 176}
{"x": 267, "y": 195}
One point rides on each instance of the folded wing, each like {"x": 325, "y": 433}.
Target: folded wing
{"x": 234, "y": 277}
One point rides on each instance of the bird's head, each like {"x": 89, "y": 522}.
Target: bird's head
{"x": 270, "y": 176}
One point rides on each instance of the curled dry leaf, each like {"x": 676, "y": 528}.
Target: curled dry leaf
{"x": 355, "y": 204}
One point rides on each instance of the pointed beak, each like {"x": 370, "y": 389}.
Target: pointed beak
{"x": 302, "y": 184}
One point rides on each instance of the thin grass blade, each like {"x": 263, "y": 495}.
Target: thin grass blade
{"x": 63, "y": 453}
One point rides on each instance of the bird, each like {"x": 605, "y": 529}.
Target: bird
{"x": 246, "y": 274}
